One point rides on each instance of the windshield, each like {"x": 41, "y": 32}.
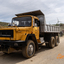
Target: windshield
{"x": 21, "y": 21}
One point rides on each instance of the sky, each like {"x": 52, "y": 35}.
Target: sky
{"x": 53, "y": 9}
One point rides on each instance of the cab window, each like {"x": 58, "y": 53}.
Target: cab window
{"x": 36, "y": 23}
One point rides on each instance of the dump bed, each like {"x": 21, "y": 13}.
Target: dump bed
{"x": 47, "y": 28}
{"x": 43, "y": 26}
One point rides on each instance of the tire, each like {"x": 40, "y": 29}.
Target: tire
{"x": 29, "y": 50}
{"x": 52, "y": 42}
{"x": 56, "y": 41}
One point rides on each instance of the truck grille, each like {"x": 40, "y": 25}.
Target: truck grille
{"x": 6, "y": 33}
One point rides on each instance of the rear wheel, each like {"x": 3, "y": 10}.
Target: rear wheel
{"x": 29, "y": 50}
{"x": 56, "y": 41}
{"x": 52, "y": 42}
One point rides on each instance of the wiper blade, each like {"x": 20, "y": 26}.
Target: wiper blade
{"x": 21, "y": 26}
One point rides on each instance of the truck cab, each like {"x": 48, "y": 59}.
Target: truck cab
{"x": 24, "y": 25}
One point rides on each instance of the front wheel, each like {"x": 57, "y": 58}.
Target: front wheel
{"x": 29, "y": 50}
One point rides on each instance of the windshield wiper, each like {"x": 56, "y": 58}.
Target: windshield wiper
{"x": 21, "y": 26}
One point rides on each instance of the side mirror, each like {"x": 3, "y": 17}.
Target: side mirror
{"x": 15, "y": 24}
{"x": 9, "y": 24}
{"x": 38, "y": 23}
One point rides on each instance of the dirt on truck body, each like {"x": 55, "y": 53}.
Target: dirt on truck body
{"x": 27, "y": 32}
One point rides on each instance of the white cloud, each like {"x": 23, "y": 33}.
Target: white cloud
{"x": 52, "y": 9}
{"x": 52, "y": 18}
{"x": 58, "y": 10}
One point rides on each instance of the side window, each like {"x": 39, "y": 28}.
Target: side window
{"x": 36, "y": 24}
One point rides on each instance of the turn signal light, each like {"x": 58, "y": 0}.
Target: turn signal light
{"x": 31, "y": 32}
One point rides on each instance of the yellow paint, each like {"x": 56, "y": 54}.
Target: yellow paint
{"x": 38, "y": 40}
{"x": 36, "y": 32}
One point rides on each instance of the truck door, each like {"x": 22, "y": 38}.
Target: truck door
{"x": 36, "y": 28}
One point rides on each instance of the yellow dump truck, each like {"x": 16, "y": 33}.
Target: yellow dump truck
{"x": 27, "y": 32}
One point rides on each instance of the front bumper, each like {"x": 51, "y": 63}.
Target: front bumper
{"x": 12, "y": 43}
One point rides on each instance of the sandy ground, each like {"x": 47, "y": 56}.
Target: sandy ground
{"x": 43, "y": 56}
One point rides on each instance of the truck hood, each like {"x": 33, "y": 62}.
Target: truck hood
{"x": 16, "y": 28}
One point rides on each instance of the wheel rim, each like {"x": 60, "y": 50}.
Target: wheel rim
{"x": 30, "y": 50}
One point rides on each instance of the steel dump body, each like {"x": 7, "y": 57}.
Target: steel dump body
{"x": 43, "y": 26}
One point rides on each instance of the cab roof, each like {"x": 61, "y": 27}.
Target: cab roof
{"x": 34, "y": 13}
